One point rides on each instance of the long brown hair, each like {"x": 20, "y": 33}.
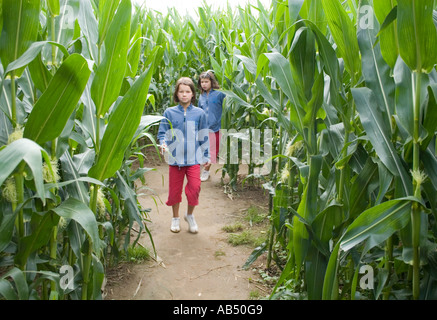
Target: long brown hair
{"x": 188, "y": 82}
{"x": 208, "y": 75}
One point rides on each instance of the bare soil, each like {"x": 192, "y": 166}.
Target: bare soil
{"x": 202, "y": 266}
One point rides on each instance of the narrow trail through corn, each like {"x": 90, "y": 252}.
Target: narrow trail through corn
{"x": 190, "y": 266}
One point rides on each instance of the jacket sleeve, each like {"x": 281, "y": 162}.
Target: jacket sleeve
{"x": 222, "y": 97}
{"x": 163, "y": 127}
{"x": 204, "y": 133}
{"x": 216, "y": 111}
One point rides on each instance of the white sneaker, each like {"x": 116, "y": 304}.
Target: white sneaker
{"x": 175, "y": 225}
{"x": 204, "y": 176}
{"x": 192, "y": 225}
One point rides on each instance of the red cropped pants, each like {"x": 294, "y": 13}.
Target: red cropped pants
{"x": 214, "y": 144}
{"x": 176, "y": 182}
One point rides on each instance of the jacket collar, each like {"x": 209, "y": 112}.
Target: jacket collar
{"x": 210, "y": 91}
{"x": 182, "y": 108}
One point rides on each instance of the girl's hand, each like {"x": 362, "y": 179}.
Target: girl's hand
{"x": 163, "y": 148}
{"x": 206, "y": 165}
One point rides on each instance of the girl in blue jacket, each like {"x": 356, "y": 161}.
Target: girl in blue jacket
{"x": 211, "y": 101}
{"x": 186, "y": 143}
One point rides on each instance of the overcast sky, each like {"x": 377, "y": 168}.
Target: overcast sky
{"x": 190, "y": 6}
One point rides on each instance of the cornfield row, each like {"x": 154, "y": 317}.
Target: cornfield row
{"x": 348, "y": 88}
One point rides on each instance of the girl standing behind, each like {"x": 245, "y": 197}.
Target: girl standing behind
{"x": 186, "y": 142}
{"x": 211, "y": 101}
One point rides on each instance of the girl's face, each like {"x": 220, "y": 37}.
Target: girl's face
{"x": 205, "y": 83}
{"x": 185, "y": 95}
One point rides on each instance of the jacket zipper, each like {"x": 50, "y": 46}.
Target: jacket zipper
{"x": 185, "y": 130}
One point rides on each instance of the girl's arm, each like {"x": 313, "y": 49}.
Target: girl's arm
{"x": 204, "y": 145}
{"x": 222, "y": 97}
{"x": 163, "y": 127}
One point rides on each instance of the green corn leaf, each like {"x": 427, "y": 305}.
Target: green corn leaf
{"x": 281, "y": 70}
{"x": 53, "y": 7}
{"x": 430, "y": 164}
{"x": 7, "y": 290}
{"x": 378, "y": 132}
{"x": 1, "y": 16}
{"x": 131, "y": 208}
{"x": 316, "y": 260}
{"x": 134, "y": 54}
{"x": 284, "y": 275}
{"x": 430, "y": 116}
{"x": 344, "y": 34}
{"x": 358, "y": 196}
{"x": 388, "y": 34}
{"x": 330, "y": 62}
{"x": 417, "y": 34}
{"x": 249, "y": 64}
{"x": 313, "y": 10}
{"x": 156, "y": 54}
{"x": 98, "y": 278}
{"x": 70, "y": 172}
{"x": 283, "y": 121}
{"x": 311, "y": 109}
{"x": 107, "y": 9}
{"x": 374, "y": 226}
{"x": 389, "y": 17}
{"x": 307, "y": 210}
{"x": 61, "y": 30}
{"x": 325, "y": 222}
{"x": 406, "y": 92}
{"x": 7, "y": 226}
{"x": 268, "y": 96}
{"x": 31, "y": 53}
{"x": 294, "y": 8}
{"x": 316, "y": 264}
{"x": 48, "y": 186}
{"x": 376, "y": 72}
{"x": 30, "y": 152}
{"x": 83, "y": 215}
{"x": 53, "y": 109}
{"x": 89, "y": 27}
{"x": 122, "y": 126}
{"x": 39, "y": 237}
{"x": 258, "y": 251}
{"x": 377, "y": 223}
{"x": 330, "y": 283}
{"x": 302, "y": 56}
{"x": 404, "y": 96}
{"x": 20, "y": 289}
{"x": 41, "y": 76}
{"x": 20, "y": 29}
{"x": 109, "y": 75}
{"x": 385, "y": 180}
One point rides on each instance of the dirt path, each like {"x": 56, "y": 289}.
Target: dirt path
{"x": 191, "y": 266}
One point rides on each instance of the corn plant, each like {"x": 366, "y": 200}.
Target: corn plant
{"x": 72, "y": 103}
{"x": 356, "y": 122}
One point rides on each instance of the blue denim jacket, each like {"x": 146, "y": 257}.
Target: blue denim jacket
{"x": 212, "y": 104}
{"x": 187, "y": 137}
